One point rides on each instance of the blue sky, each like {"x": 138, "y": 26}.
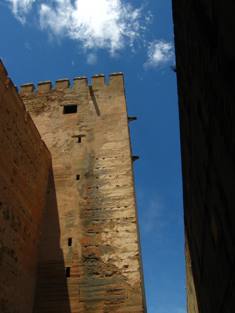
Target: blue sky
{"x": 48, "y": 40}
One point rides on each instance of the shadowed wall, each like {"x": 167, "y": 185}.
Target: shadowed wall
{"x": 205, "y": 62}
{"x": 52, "y": 290}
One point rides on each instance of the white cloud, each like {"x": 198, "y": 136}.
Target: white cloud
{"x": 109, "y": 24}
{"x": 20, "y": 8}
{"x": 95, "y": 24}
{"x": 160, "y": 52}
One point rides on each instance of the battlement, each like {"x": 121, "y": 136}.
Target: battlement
{"x": 115, "y": 82}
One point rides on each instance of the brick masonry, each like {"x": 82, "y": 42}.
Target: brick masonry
{"x": 90, "y": 230}
{"x": 24, "y": 166}
{"x": 205, "y": 63}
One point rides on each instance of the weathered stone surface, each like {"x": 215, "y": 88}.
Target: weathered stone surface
{"x": 90, "y": 223}
{"x": 205, "y": 62}
{"x": 24, "y": 168}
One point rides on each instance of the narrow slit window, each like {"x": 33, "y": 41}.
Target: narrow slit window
{"x": 78, "y": 177}
{"x": 70, "y": 242}
{"x": 70, "y": 108}
{"x": 67, "y": 271}
{"x": 79, "y": 139}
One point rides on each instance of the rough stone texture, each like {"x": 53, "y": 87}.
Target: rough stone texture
{"x": 96, "y": 210}
{"x": 205, "y": 60}
{"x": 24, "y": 167}
{"x": 192, "y": 305}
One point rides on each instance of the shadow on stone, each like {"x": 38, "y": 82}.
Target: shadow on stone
{"x": 51, "y": 290}
{"x": 94, "y": 100}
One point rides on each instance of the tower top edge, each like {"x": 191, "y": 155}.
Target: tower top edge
{"x": 78, "y": 82}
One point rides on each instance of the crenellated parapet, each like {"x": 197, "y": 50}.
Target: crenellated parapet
{"x": 79, "y": 84}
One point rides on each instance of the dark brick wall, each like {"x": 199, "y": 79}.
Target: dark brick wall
{"x": 24, "y": 167}
{"x": 205, "y": 50}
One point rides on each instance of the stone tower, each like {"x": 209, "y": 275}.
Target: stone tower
{"x": 89, "y": 258}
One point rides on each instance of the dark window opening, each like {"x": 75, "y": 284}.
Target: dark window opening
{"x": 77, "y": 177}
{"x": 70, "y": 108}
{"x": 78, "y": 138}
{"x": 70, "y": 242}
{"x": 67, "y": 271}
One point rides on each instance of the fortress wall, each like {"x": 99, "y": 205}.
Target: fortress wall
{"x": 205, "y": 63}
{"x": 95, "y": 243}
{"x": 24, "y": 167}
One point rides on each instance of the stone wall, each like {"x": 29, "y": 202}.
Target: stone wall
{"x": 192, "y": 304}
{"x": 205, "y": 63}
{"x": 89, "y": 254}
{"x": 24, "y": 167}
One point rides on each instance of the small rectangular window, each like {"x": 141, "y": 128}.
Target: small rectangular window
{"x": 70, "y": 108}
{"x": 78, "y": 138}
{"x": 77, "y": 177}
{"x": 67, "y": 271}
{"x": 70, "y": 242}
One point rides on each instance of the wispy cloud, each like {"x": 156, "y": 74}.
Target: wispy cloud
{"x": 91, "y": 58}
{"x": 112, "y": 25}
{"x": 160, "y": 52}
{"x": 95, "y": 24}
{"x": 109, "y": 24}
{"x": 20, "y": 8}
{"x": 153, "y": 219}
